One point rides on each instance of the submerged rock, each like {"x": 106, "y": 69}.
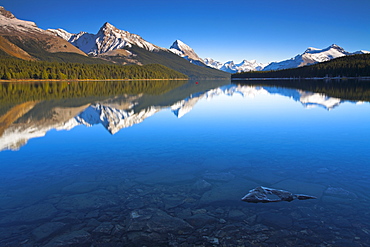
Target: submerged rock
{"x": 201, "y": 185}
{"x": 261, "y": 194}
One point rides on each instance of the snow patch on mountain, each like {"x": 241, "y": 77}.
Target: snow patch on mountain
{"x": 61, "y": 33}
{"x": 232, "y": 67}
{"x": 244, "y": 66}
{"x": 213, "y": 63}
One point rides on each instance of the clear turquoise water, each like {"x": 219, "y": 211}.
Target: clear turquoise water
{"x": 179, "y": 181}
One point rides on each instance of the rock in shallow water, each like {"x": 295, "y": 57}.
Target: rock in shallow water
{"x": 263, "y": 194}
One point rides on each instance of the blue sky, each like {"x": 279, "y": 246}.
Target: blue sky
{"x": 265, "y": 30}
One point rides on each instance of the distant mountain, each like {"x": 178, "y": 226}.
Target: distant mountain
{"x": 244, "y": 66}
{"x": 183, "y": 50}
{"x": 312, "y": 56}
{"x": 213, "y": 63}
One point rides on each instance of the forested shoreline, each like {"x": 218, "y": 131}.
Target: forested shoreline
{"x": 16, "y": 69}
{"x": 347, "y": 66}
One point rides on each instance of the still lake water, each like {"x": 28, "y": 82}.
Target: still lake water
{"x": 169, "y": 167}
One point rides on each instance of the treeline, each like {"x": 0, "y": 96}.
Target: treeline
{"x": 19, "y": 69}
{"x": 347, "y": 66}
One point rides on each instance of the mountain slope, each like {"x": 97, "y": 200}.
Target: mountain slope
{"x": 12, "y": 29}
{"x": 13, "y": 50}
{"x": 172, "y": 61}
{"x": 311, "y": 56}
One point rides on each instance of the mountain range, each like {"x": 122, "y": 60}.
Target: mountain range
{"x": 308, "y": 57}
{"x": 23, "y": 39}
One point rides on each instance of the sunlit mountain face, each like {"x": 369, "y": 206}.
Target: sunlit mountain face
{"x": 117, "y": 108}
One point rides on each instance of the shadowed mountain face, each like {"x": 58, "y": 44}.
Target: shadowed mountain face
{"x": 116, "y": 111}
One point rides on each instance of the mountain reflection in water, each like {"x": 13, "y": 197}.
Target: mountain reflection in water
{"x": 118, "y": 107}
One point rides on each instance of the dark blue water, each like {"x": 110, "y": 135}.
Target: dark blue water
{"x": 175, "y": 175}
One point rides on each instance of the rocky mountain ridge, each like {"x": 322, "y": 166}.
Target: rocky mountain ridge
{"x": 107, "y": 39}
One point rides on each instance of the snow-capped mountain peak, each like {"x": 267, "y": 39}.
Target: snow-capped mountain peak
{"x": 180, "y": 48}
{"x": 107, "y": 39}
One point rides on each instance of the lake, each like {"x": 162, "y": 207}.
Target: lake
{"x": 166, "y": 163}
